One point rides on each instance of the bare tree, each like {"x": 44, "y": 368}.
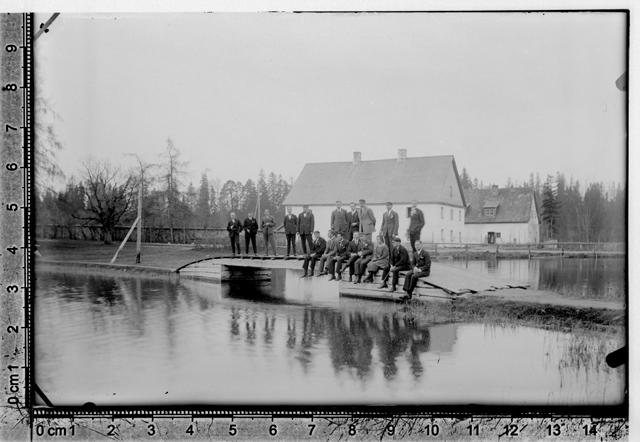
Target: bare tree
{"x": 108, "y": 195}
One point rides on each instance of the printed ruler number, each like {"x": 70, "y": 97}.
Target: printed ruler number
{"x": 352, "y": 430}
{"x": 111, "y": 430}
{"x": 11, "y": 48}
{"x": 474, "y": 430}
{"x": 151, "y": 430}
{"x": 12, "y": 87}
{"x": 512, "y": 430}
{"x": 273, "y": 430}
{"x": 233, "y": 430}
{"x": 312, "y": 427}
{"x": 554, "y": 430}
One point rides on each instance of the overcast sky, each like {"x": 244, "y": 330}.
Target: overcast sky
{"x": 506, "y": 93}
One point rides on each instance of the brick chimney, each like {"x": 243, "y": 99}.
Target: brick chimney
{"x": 357, "y": 157}
{"x": 402, "y": 154}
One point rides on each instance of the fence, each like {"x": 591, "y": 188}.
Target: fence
{"x": 217, "y": 238}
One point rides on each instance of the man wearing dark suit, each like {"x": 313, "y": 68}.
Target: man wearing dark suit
{"x": 341, "y": 246}
{"x": 351, "y": 256}
{"x": 268, "y": 232}
{"x": 390, "y": 223}
{"x": 290, "y": 230}
{"x": 421, "y": 267}
{"x": 416, "y": 223}
{"x": 364, "y": 255}
{"x": 317, "y": 248}
{"x": 328, "y": 253}
{"x": 354, "y": 221}
{"x": 339, "y": 222}
{"x": 234, "y": 227}
{"x": 250, "y": 231}
{"x": 306, "y": 224}
{"x": 399, "y": 261}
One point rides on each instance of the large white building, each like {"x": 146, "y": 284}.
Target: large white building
{"x": 499, "y": 216}
{"x": 431, "y": 181}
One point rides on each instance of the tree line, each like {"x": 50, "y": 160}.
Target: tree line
{"x": 567, "y": 212}
{"x": 106, "y": 196}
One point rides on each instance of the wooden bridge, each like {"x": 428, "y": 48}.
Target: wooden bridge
{"x": 445, "y": 281}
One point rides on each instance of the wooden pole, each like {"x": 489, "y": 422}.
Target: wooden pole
{"x": 139, "y": 232}
{"x": 124, "y": 241}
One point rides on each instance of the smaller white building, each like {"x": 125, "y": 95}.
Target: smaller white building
{"x": 501, "y": 216}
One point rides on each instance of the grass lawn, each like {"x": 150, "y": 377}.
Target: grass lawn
{"x": 169, "y": 256}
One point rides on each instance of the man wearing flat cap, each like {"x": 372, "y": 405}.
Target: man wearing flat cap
{"x": 367, "y": 221}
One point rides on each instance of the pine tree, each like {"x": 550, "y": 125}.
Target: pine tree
{"x": 550, "y": 210}
{"x": 203, "y": 208}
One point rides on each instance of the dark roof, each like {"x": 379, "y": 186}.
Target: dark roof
{"x": 424, "y": 179}
{"x": 513, "y": 205}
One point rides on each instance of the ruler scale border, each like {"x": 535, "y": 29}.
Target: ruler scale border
{"x": 611, "y": 421}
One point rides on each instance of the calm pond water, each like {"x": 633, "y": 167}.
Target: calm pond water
{"x": 137, "y": 340}
{"x": 589, "y": 278}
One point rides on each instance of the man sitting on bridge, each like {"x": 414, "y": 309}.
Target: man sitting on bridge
{"x": 336, "y": 260}
{"x": 328, "y": 253}
{"x": 318, "y": 246}
{"x": 399, "y": 261}
{"x": 421, "y": 267}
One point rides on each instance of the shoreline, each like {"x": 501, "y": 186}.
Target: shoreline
{"x": 509, "y": 306}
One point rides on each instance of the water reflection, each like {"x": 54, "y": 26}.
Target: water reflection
{"x": 593, "y": 278}
{"x": 129, "y": 340}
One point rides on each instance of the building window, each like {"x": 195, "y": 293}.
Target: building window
{"x": 451, "y": 214}
{"x": 441, "y": 212}
{"x": 442, "y": 235}
{"x": 489, "y": 211}
{"x": 497, "y": 234}
{"x": 451, "y": 235}
{"x": 459, "y": 236}
{"x": 459, "y": 215}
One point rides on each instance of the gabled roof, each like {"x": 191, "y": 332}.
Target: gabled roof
{"x": 513, "y": 205}
{"x": 424, "y": 179}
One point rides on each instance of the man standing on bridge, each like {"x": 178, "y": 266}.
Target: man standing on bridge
{"x": 290, "y": 230}
{"x": 234, "y": 227}
{"x": 421, "y": 267}
{"x": 306, "y": 224}
{"x": 268, "y": 226}
{"x": 250, "y": 231}
{"x": 416, "y": 224}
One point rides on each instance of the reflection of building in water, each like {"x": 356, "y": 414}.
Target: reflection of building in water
{"x": 443, "y": 337}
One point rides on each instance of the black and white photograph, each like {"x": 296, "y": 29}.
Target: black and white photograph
{"x": 339, "y": 208}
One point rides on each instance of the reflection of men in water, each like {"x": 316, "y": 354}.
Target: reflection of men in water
{"x": 399, "y": 261}
{"x": 234, "y": 227}
{"x": 421, "y": 267}
{"x": 318, "y": 246}
{"x": 336, "y": 260}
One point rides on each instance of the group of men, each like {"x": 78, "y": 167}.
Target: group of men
{"x": 250, "y": 228}
{"x": 350, "y": 242}
{"x": 358, "y": 255}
